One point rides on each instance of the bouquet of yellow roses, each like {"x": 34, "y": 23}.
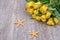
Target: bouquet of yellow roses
{"x": 47, "y": 11}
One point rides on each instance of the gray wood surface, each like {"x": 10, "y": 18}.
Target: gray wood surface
{"x": 11, "y": 11}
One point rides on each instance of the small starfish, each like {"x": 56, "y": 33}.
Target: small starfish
{"x": 19, "y": 22}
{"x": 34, "y": 34}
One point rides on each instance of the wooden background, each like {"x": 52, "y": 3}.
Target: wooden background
{"x": 11, "y": 11}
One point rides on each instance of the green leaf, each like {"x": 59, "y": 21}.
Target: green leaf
{"x": 31, "y": 0}
{"x": 28, "y": 0}
{"x": 57, "y": 14}
{"x": 55, "y": 4}
{"x": 35, "y": 0}
{"x": 54, "y": 12}
{"x": 39, "y": 13}
{"x": 51, "y": 9}
{"x": 44, "y": 1}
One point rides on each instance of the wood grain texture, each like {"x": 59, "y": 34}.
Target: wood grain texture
{"x": 11, "y": 11}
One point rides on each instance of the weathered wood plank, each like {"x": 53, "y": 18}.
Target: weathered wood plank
{"x": 11, "y": 11}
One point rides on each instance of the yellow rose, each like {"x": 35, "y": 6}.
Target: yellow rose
{"x": 37, "y": 18}
{"x": 35, "y": 11}
{"x": 36, "y": 5}
{"x": 30, "y": 10}
{"x": 29, "y": 4}
{"x": 56, "y": 20}
{"x": 43, "y": 18}
{"x": 39, "y": 3}
{"x": 43, "y": 9}
{"x": 33, "y": 16}
{"x": 50, "y": 22}
{"x": 48, "y": 14}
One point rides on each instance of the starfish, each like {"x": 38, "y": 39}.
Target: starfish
{"x": 34, "y": 34}
{"x": 19, "y": 22}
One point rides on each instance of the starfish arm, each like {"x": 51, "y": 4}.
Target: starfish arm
{"x": 33, "y": 36}
{"x": 36, "y": 32}
{"x": 18, "y": 25}
{"x": 36, "y": 35}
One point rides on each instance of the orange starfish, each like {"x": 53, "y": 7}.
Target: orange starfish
{"x": 34, "y": 34}
{"x": 19, "y": 22}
